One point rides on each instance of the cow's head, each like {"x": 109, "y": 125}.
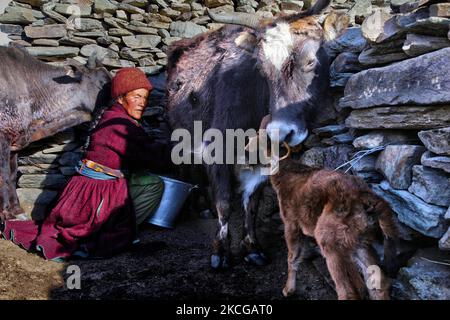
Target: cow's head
{"x": 291, "y": 57}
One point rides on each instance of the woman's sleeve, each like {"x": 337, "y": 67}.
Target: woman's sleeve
{"x": 136, "y": 149}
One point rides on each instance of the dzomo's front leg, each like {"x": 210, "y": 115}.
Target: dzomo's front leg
{"x": 220, "y": 177}
{"x": 252, "y": 193}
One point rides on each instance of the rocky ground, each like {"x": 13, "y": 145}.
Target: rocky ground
{"x": 167, "y": 265}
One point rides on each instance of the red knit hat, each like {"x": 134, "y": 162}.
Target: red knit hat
{"x": 129, "y": 79}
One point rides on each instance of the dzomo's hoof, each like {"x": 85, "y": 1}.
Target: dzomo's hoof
{"x": 288, "y": 292}
{"x": 219, "y": 262}
{"x": 257, "y": 258}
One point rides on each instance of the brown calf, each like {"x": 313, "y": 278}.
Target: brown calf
{"x": 342, "y": 214}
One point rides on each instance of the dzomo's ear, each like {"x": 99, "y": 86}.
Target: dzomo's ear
{"x": 335, "y": 24}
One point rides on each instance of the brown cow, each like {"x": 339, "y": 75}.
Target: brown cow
{"x": 343, "y": 215}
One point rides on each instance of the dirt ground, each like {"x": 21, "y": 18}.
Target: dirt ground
{"x": 166, "y": 265}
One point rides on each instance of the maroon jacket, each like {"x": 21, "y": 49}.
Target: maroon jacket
{"x": 120, "y": 142}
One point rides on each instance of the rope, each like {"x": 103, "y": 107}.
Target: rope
{"x": 356, "y": 157}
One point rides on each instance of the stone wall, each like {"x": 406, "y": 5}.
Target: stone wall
{"x": 392, "y": 88}
{"x": 122, "y": 33}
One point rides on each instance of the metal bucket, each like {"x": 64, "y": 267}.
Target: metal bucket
{"x": 173, "y": 198}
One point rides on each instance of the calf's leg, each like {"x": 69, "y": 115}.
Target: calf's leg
{"x": 336, "y": 243}
{"x": 344, "y": 273}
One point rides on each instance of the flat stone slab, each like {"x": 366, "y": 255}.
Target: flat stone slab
{"x": 185, "y": 29}
{"x": 90, "y": 34}
{"x": 53, "y": 52}
{"x": 369, "y": 58}
{"x": 59, "y": 148}
{"x": 37, "y": 159}
{"x": 414, "y": 212}
{"x": 40, "y": 168}
{"x": 403, "y": 117}
{"x": 119, "y": 32}
{"x": 330, "y": 130}
{"x": 343, "y": 138}
{"x": 437, "y": 141}
{"x": 101, "y": 52}
{"x": 396, "y": 163}
{"x": 88, "y": 24}
{"x": 101, "y": 6}
{"x": 425, "y": 277}
{"x": 45, "y": 42}
{"x": 22, "y": 18}
{"x": 49, "y": 181}
{"x": 73, "y": 9}
{"x": 11, "y": 29}
{"x": 423, "y": 80}
{"x": 76, "y": 41}
{"x": 417, "y": 44}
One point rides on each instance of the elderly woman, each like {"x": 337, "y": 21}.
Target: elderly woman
{"x": 99, "y": 209}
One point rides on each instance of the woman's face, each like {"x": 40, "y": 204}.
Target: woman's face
{"x": 135, "y": 102}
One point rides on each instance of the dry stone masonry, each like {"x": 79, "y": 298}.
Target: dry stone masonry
{"x": 390, "y": 79}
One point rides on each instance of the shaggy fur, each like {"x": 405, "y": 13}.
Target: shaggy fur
{"x": 343, "y": 215}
